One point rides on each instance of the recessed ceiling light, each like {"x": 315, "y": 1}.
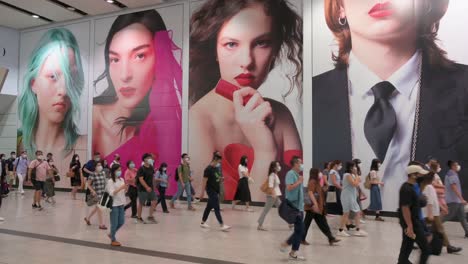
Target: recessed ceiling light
{"x": 110, "y": 1}
{"x": 71, "y": 8}
{"x": 35, "y": 16}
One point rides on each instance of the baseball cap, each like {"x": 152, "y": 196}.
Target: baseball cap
{"x": 416, "y": 169}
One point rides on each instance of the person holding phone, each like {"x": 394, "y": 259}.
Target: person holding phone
{"x": 116, "y": 187}
{"x": 242, "y": 45}
{"x": 410, "y": 204}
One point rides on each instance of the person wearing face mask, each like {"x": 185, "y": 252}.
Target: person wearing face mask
{"x": 439, "y": 186}
{"x": 335, "y": 187}
{"x": 295, "y": 195}
{"x": 146, "y": 192}
{"x": 273, "y": 192}
{"x": 96, "y": 186}
{"x": 130, "y": 179}
{"x": 163, "y": 180}
{"x": 116, "y": 187}
{"x": 454, "y": 196}
{"x": 20, "y": 168}
{"x": 77, "y": 180}
{"x": 243, "y": 190}
{"x": 89, "y": 169}
{"x": 183, "y": 179}
{"x": 48, "y": 191}
{"x": 10, "y": 165}
{"x": 210, "y": 184}
{"x": 316, "y": 209}
{"x": 376, "y": 182}
{"x": 37, "y": 173}
{"x": 409, "y": 212}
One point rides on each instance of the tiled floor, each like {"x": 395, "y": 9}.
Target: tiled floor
{"x": 58, "y": 234}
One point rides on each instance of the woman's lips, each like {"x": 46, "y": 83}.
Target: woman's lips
{"x": 127, "y": 91}
{"x": 381, "y": 10}
{"x": 245, "y": 79}
{"x": 59, "y": 107}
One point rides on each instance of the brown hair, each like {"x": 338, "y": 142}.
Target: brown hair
{"x": 427, "y": 30}
{"x": 206, "y": 23}
{"x": 434, "y": 165}
{"x": 314, "y": 174}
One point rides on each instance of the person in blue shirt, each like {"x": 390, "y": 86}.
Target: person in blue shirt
{"x": 454, "y": 196}
{"x": 295, "y": 194}
{"x": 162, "y": 179}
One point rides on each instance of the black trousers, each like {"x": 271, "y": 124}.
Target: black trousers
{"x": 321, "y": 221}
{"x": 162, "y": 198}
{"x": 133, "y": 195}
{"x": 213, "y": 203}
{"x": 407, "y": 245}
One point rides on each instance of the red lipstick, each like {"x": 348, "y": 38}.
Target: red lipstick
{"x": 127, "y": 91}
{"x": 381, "y": 10}
{"x": 245, "y": 79}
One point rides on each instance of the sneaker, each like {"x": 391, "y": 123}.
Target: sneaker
{"x": 196, "y": 200}
{"x": 152, "y": 220}
{"x": 191, "y": 208}
{"x": 342, "y": 234}
{"x": 34, "y": 206}
{"x": 305, "y": 243}
{"x": 116, "y": 244}
{"x": 140, "y": 220}
{"x": 362, "y": 221}
{"x": 360, "y": 233}
{"x": 333, "y": 241}
{"x": 380, "y": 219}
{"x": 261, "y": 228}
{"x": 204, "y": 225}
{"x": 2, "y": 219}
{"x": 134, "y": 217}
{"x": 351, "y": 226}
{"x": 296, "y": 257}
{"x": 225, "y": 228}
{"x": 452, "y": 249}
{"x": 284, "y": 247}
{"x": 166, "y": 212}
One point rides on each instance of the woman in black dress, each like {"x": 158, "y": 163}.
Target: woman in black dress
{"x": 243, "y": 190}
{"x": 75, "y": 181}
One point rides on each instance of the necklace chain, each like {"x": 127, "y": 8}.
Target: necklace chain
{"x": 416, "y": 117}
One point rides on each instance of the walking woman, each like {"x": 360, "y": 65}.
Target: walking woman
{"x": 97, "y": 186}
{"x": 432, "y": 211}
{"x": 273, "y": 193}
{"x": 334, "y": 182}
{"x": 349, "y": 200}
{"x": 163, "y": 180}
{"x": 316, "y": 210}
{"x": 243, "y": 190}
{"x": 116, "y": 187}
{"x": 132, "y": 191}
{"x": 376, "y": 182}
{"x": 77, "y": 179}
{"x": 439, "y": 186}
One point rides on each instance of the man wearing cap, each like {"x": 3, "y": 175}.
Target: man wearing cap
{"x": 410, "y": 204}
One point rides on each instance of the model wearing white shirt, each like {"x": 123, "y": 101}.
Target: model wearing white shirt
{"x": 116, "y": 187}
{"x": 404, "y": 100}
{"x": 273, "y": 194}
{"x": 243, "y": 185}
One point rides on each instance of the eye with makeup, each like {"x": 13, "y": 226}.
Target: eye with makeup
{"x": 53, "y": 76}
{"x": 113, "y": 60}
{"x": 263, "y": 43}
{"x": 140, "y": 56}
{"x": 230, "y": 45}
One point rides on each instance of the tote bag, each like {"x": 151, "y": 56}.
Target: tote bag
{"x": 106, "y": 202}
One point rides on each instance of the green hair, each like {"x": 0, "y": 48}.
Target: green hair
{"x": 57, "y": 40}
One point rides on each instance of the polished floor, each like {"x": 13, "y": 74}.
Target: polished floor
{"x": 58, "y": 234}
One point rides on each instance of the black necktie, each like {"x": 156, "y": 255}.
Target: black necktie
{"x": 380, "y": 124}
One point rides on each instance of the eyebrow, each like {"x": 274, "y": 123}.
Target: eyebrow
{"x": 143, "y": 46}
{"x": 268, "y": 34}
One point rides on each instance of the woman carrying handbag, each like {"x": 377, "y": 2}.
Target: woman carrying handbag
{"x": 271, "y": 187}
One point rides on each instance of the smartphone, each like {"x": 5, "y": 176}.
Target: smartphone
{"x": 227, "y": 89}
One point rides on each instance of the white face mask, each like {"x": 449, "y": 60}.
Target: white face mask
{"x": 24, "y": 156}
{"x": 99, "y": 168}
{"x": 150, "y": 162}
{"x": 340, "y": 167}
{"x": 438, "y": 170}
{"x": 118, "y": 173}
{"x": 164, "y": 169}
{"x": 40, "y": 157}
{"x": 278, "y": 169}
{"x": 132, "y": 165}
{"x": 458, "y": 167}
{"x": 13, "y": 156}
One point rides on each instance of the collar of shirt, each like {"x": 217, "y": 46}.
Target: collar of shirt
{"x": 363, "y": 79}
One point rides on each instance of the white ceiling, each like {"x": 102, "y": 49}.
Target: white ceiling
{"x": 12, "y": 18}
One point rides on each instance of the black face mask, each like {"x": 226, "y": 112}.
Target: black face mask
{"x": 420, "y": 180}
{"x": 117, "y": 159}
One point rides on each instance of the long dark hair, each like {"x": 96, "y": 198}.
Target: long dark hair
{"x": 114, "y": 168}
{"x": 206, "y": 23}
{"x": 154, "y": 23}
{"x": 314, "y": 174}
{"x": 375, "y": 164}
{"x": 163, "y": 165}
{"x": 349, "y": 167}
{"x": 75, "y": 161}
{"x": 272, "y": 168}
{"x": 243, "y": 161}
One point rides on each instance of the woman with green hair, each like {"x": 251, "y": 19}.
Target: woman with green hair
{"x": 49, "y": 99}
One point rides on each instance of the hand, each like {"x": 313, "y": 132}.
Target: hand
{"x": 463, "y": 202}
{"x": 430, "y": 219}
{"x": 410, "y": 233}
{"x": 315, "y": 208}
{"x": 301, "y": 179}
{"x": 255, "y": 119}
{"x": 93, "y": 193}
{"x": 382, "y": 183}
{"x": 444, "y": 210}
{"x": 148, "y": 189}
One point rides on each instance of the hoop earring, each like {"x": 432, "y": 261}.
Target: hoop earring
{"x": 342, "y": 21}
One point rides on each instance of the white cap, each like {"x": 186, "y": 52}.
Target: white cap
{"x": 416, "y": 169}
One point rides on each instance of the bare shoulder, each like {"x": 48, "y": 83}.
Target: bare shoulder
{"x": 281, "y": 112}
{"x": 200, "y": 115}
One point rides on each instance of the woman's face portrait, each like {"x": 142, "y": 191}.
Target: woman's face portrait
{"x": 245, "y": 47}
{"x": 379, "y": 20}
{"x": 131, "y": 64}
{"x": 51, "y": 89}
